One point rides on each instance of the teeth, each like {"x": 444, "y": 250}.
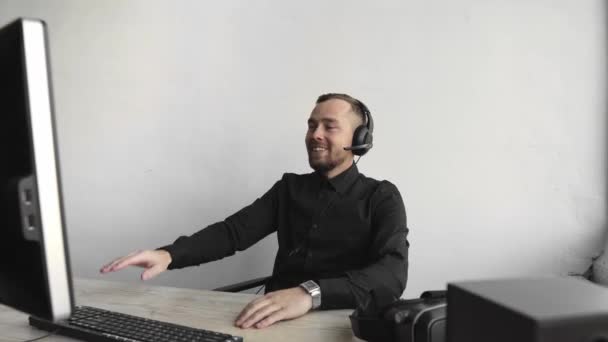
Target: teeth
{"x": 318, "y": 149}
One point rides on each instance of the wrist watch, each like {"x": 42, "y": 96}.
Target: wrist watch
{"x": 315, "y": 292}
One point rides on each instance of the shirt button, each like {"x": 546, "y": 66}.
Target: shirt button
{"x": 314, "y": 226}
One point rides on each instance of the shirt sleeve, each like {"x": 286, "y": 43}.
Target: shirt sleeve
{"x": 236, "y": 233}
{"x": 387, "y": 270}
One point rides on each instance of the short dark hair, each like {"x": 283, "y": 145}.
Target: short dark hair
{"x": 355, "y": 104}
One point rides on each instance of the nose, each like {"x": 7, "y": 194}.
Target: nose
{"x": 317, "y": 133}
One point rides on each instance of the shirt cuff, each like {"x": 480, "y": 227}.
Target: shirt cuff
{"x": 336, "y": 294}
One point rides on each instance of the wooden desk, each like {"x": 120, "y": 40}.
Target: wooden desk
{"x": 195, "y": 308}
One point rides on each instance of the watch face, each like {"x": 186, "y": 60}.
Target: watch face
{"x": 309, "y": 285}
{"x": 315, "y": 292}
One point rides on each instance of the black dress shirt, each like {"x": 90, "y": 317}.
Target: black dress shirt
{"x": 348, "y": 234}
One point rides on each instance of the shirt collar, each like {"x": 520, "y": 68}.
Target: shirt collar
{"x": 344, "y": 180}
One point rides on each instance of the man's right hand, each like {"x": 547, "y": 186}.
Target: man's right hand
{"x": 154, "y": 261}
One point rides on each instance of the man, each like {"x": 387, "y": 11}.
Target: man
{"x": 340, "y": 233}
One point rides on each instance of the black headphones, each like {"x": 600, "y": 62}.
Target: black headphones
{"x": 363, "y": 136}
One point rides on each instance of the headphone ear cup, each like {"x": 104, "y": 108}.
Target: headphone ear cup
{"x": 369, "y": 137}
{"x": 360, "y": 137}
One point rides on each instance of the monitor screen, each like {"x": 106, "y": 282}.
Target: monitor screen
{"x": 34, "y": 265}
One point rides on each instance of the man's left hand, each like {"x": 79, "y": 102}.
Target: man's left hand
{"x": 275, "y": 306}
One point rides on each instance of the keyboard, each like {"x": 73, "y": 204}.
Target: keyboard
{"x": 98, "y": 325}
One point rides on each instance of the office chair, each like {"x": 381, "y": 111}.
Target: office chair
{"x": 244, "y": 285}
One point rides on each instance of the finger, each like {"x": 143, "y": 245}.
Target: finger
{"x": 270, "y": 320}
{"x": 139, "y": 259}
{"x": 248, "y": 306}
{"x": 251, "y": 308}
{"x": 125, "y": 261}
{"x": 152, "y": 272}
{"x": 259, "y": 315}
{"x": 108, "y": 267}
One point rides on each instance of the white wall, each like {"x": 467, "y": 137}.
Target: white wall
{"x": 490, "y": 118}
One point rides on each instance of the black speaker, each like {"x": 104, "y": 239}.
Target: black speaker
{"x": 559, "y": 309}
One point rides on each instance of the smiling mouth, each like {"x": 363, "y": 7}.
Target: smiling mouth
{"x": 318, "y": 149}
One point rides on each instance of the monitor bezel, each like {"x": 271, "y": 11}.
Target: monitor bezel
{"x": 40, "y": 112}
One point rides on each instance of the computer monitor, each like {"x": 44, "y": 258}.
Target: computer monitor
{"x": 34, "y": 265}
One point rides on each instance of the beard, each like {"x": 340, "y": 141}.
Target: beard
{"x": 326, "y": 164}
